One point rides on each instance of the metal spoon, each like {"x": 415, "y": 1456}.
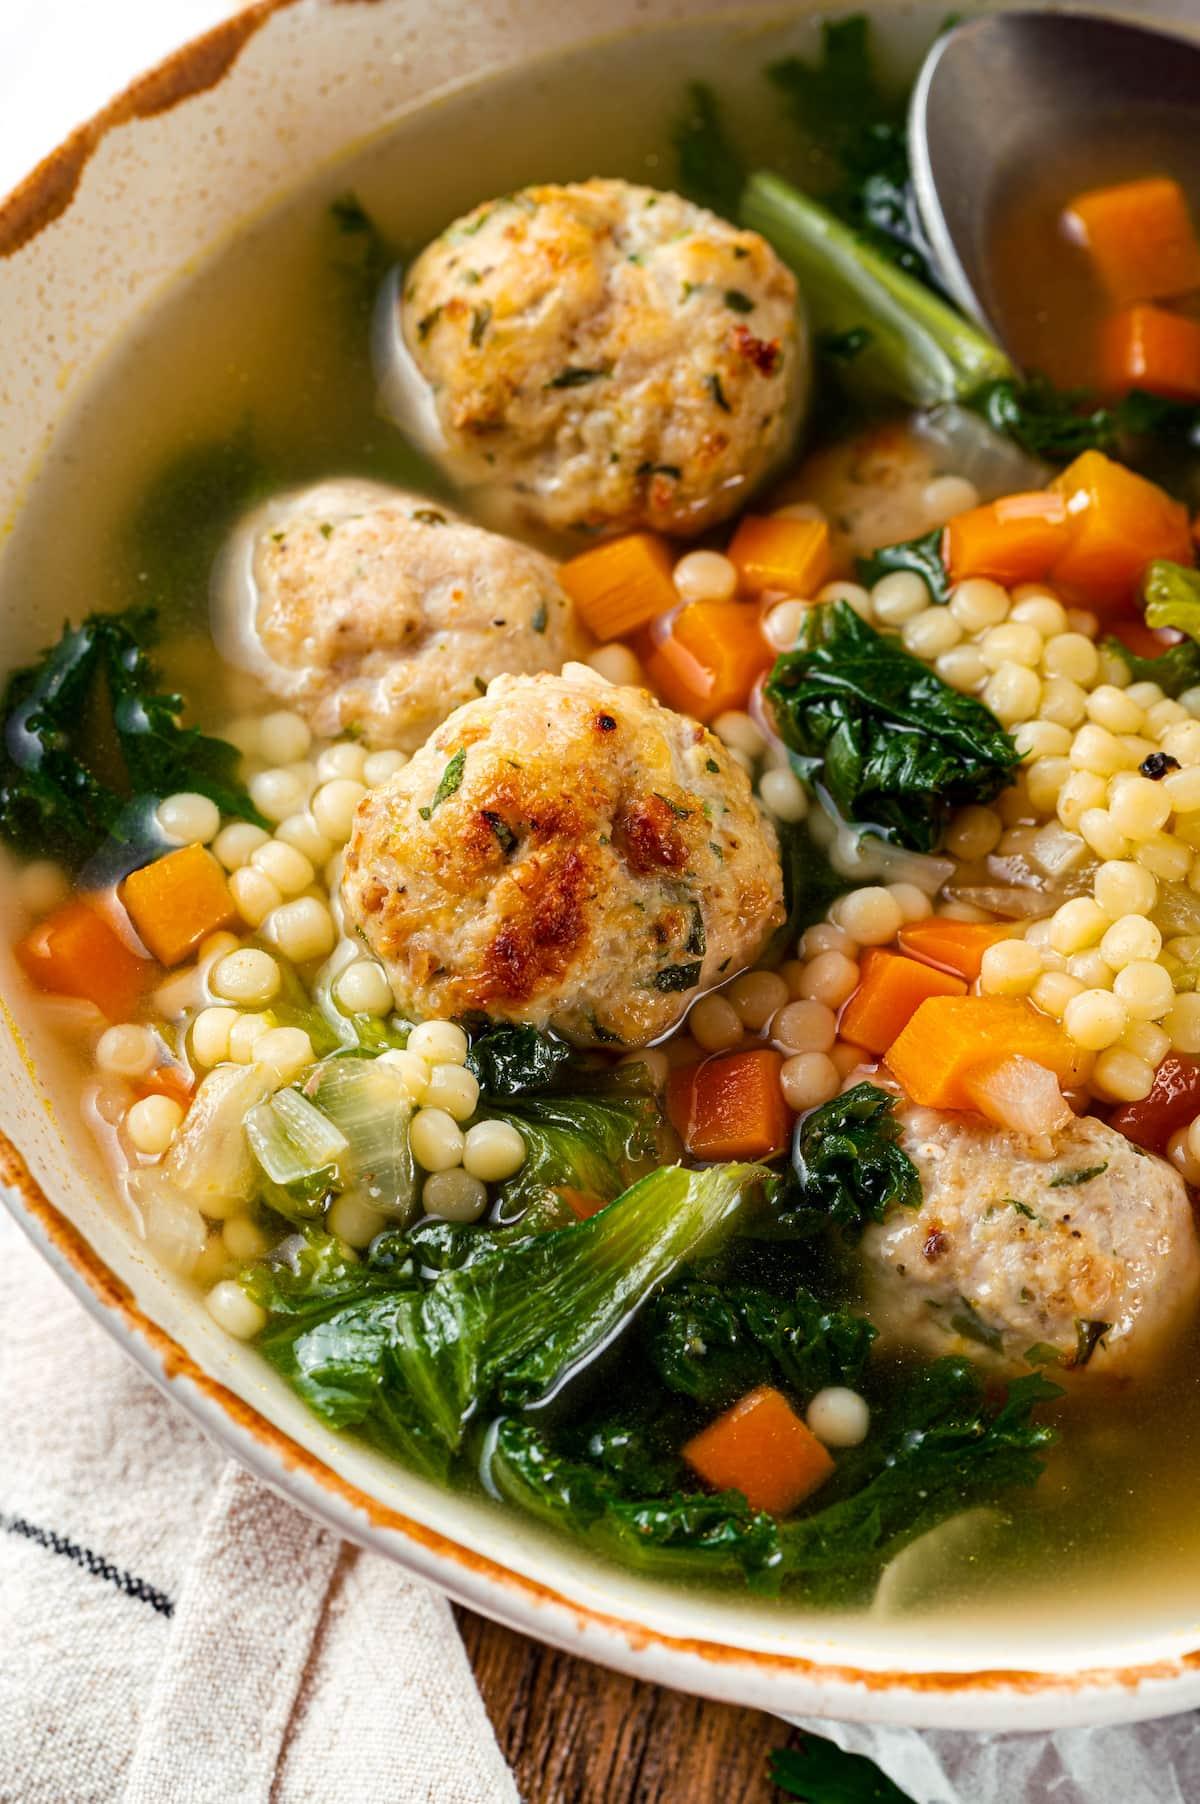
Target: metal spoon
{"x": 1002, "y": 97}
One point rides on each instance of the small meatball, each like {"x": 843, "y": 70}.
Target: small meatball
{"x": 378, "y": 612}
{"x": 1012, "y": 1250}
{"x": 871, "y": 488}
{"x": 566, "y": 853}
{"x": 608, "y": 356}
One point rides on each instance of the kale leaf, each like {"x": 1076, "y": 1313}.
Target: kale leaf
{"x": 510, "y": 1060}
{"x": 922, "y": 556}
{"x": 841, "y": 107}
{"x": 1175, "y": 669}
{"x": 713, "y": 1342}
{"x": 849, "y": 1168}
{"x": 895, "y": 748}
{"x": 810, "y": 884}
{"x": 941, "y": 1448}
{"x": 1060, "y": 424}
{"x": 819, "y": 1772}
{"x": 87, "y": 707}
{"x": 711, "y": 171}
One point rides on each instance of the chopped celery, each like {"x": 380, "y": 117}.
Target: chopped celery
{"x": 366, "y": 1099}
{"x": 919, "y": 349}
{"x": 300, "y": 1151}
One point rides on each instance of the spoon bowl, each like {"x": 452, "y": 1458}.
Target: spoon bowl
{"x": 1002, "y": 99}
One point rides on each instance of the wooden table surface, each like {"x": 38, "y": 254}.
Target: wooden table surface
{"x": 574, "y": 1733}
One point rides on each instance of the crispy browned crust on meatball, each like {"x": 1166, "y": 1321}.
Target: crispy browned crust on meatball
{"x": 566, "y": 853}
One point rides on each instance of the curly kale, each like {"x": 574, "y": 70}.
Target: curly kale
{"x": 848, "y": 1166}
{"x": 894, "y": 747}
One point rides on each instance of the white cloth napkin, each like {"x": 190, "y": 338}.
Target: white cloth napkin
{"x": 171, "y": 1632}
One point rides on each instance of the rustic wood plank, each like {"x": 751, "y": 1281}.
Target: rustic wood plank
{"x": 577, "y": 1734}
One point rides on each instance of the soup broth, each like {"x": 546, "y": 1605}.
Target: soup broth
{"x": 254, "y": 375}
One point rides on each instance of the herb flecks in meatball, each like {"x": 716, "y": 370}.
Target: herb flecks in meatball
{"x": 375, "y": 612}
{"x": 566, "y": 853}
{"x": 625, "y": 359}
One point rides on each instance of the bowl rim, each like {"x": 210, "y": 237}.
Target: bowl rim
{"x": 990, "y": 1699}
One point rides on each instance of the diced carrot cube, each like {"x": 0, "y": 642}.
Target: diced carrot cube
{"x": 709, "y": 658}
{"x": 178, "y": 901}
{"x": 1120, "y": 524}
{"x": 74, "y": 952}
{"x": 761, "y": 1448}
{"x": 730, "y": 1107}
{"x": 951, "y": 945}
{"x": 1140, "y": 238}
{"x": 1147, "y": 347}
{"x": 621, "y": 586}
{"x": 790, "y": 555}
{"x": 1017, "y": 539}
{"x": 949, "y": 1035}
{"x": 891, "y": 990}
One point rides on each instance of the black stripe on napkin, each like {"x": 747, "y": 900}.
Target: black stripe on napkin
{"x": 90, "y": 1562}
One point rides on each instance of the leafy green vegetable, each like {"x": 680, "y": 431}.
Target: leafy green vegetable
{"x": 849, "y": 1168}
{"x": 713, "y": 1342}
{"x": 1175, "y": 669}
{"x": 921, "y": 351}
{"x": 1173, "y": 597}
{"x": 515, "y": 1323}
{"x": 810, "y": 884}
{"x": 516, "y": 1061}
{"x": 841, "y": 108}
{"x": 711, "y": 172}
{"x": 941, "y": 1449}
{"x": 330, "y": 1336}
{"x": 1058, "y": 425}
{"x": 595, "y": 1143}
{"x": 819, "y": 1772}
{"x": 895, "y": 747}
{"x": 922, "y": 556}
{"x": 86, "y": 731}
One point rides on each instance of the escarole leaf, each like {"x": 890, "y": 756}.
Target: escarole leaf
{"x": 515, "y": 1323}
{"x": 849, "y": 1168}
{"x": 593, "y": 1144}
{"x": 920, "y": 350}
{"x": 894, "y": 747}
{"x": 943, "y": 1448}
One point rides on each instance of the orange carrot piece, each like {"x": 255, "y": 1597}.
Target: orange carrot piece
{"x": 792, "y": 555}
{"x": 178, "y": 901}
{"x": 74, "y": 952}
{"x": 1017, "y": 539}
{"x": 949, "y": 1035}
{"x": 730, "y": 1107}
{"x": 950, "y": 945}
{"x": 709, "y": 659}
{"x": 1147, "y": 347}
{"x": 167, "y": 1080}
{"x": 889, "y": 994}
{"x": 1120, "y": 523}
{"x": 621, "y": 586}
{"x": 761, "y": 1448}
{"x": 1140, "y": 238}
{"x": 582, "y": 1203}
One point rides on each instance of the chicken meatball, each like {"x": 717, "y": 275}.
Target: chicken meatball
{"x": 610, "y": 357}
{"x": 566, "y": 853}
{"x": 377, "y": 612}
{"x": 1092, "y": 1252}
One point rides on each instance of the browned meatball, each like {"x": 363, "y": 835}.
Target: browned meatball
{"x": 566, "y": 853}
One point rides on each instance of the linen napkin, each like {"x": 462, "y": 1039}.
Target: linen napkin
{"x": 171, "y": 1632}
